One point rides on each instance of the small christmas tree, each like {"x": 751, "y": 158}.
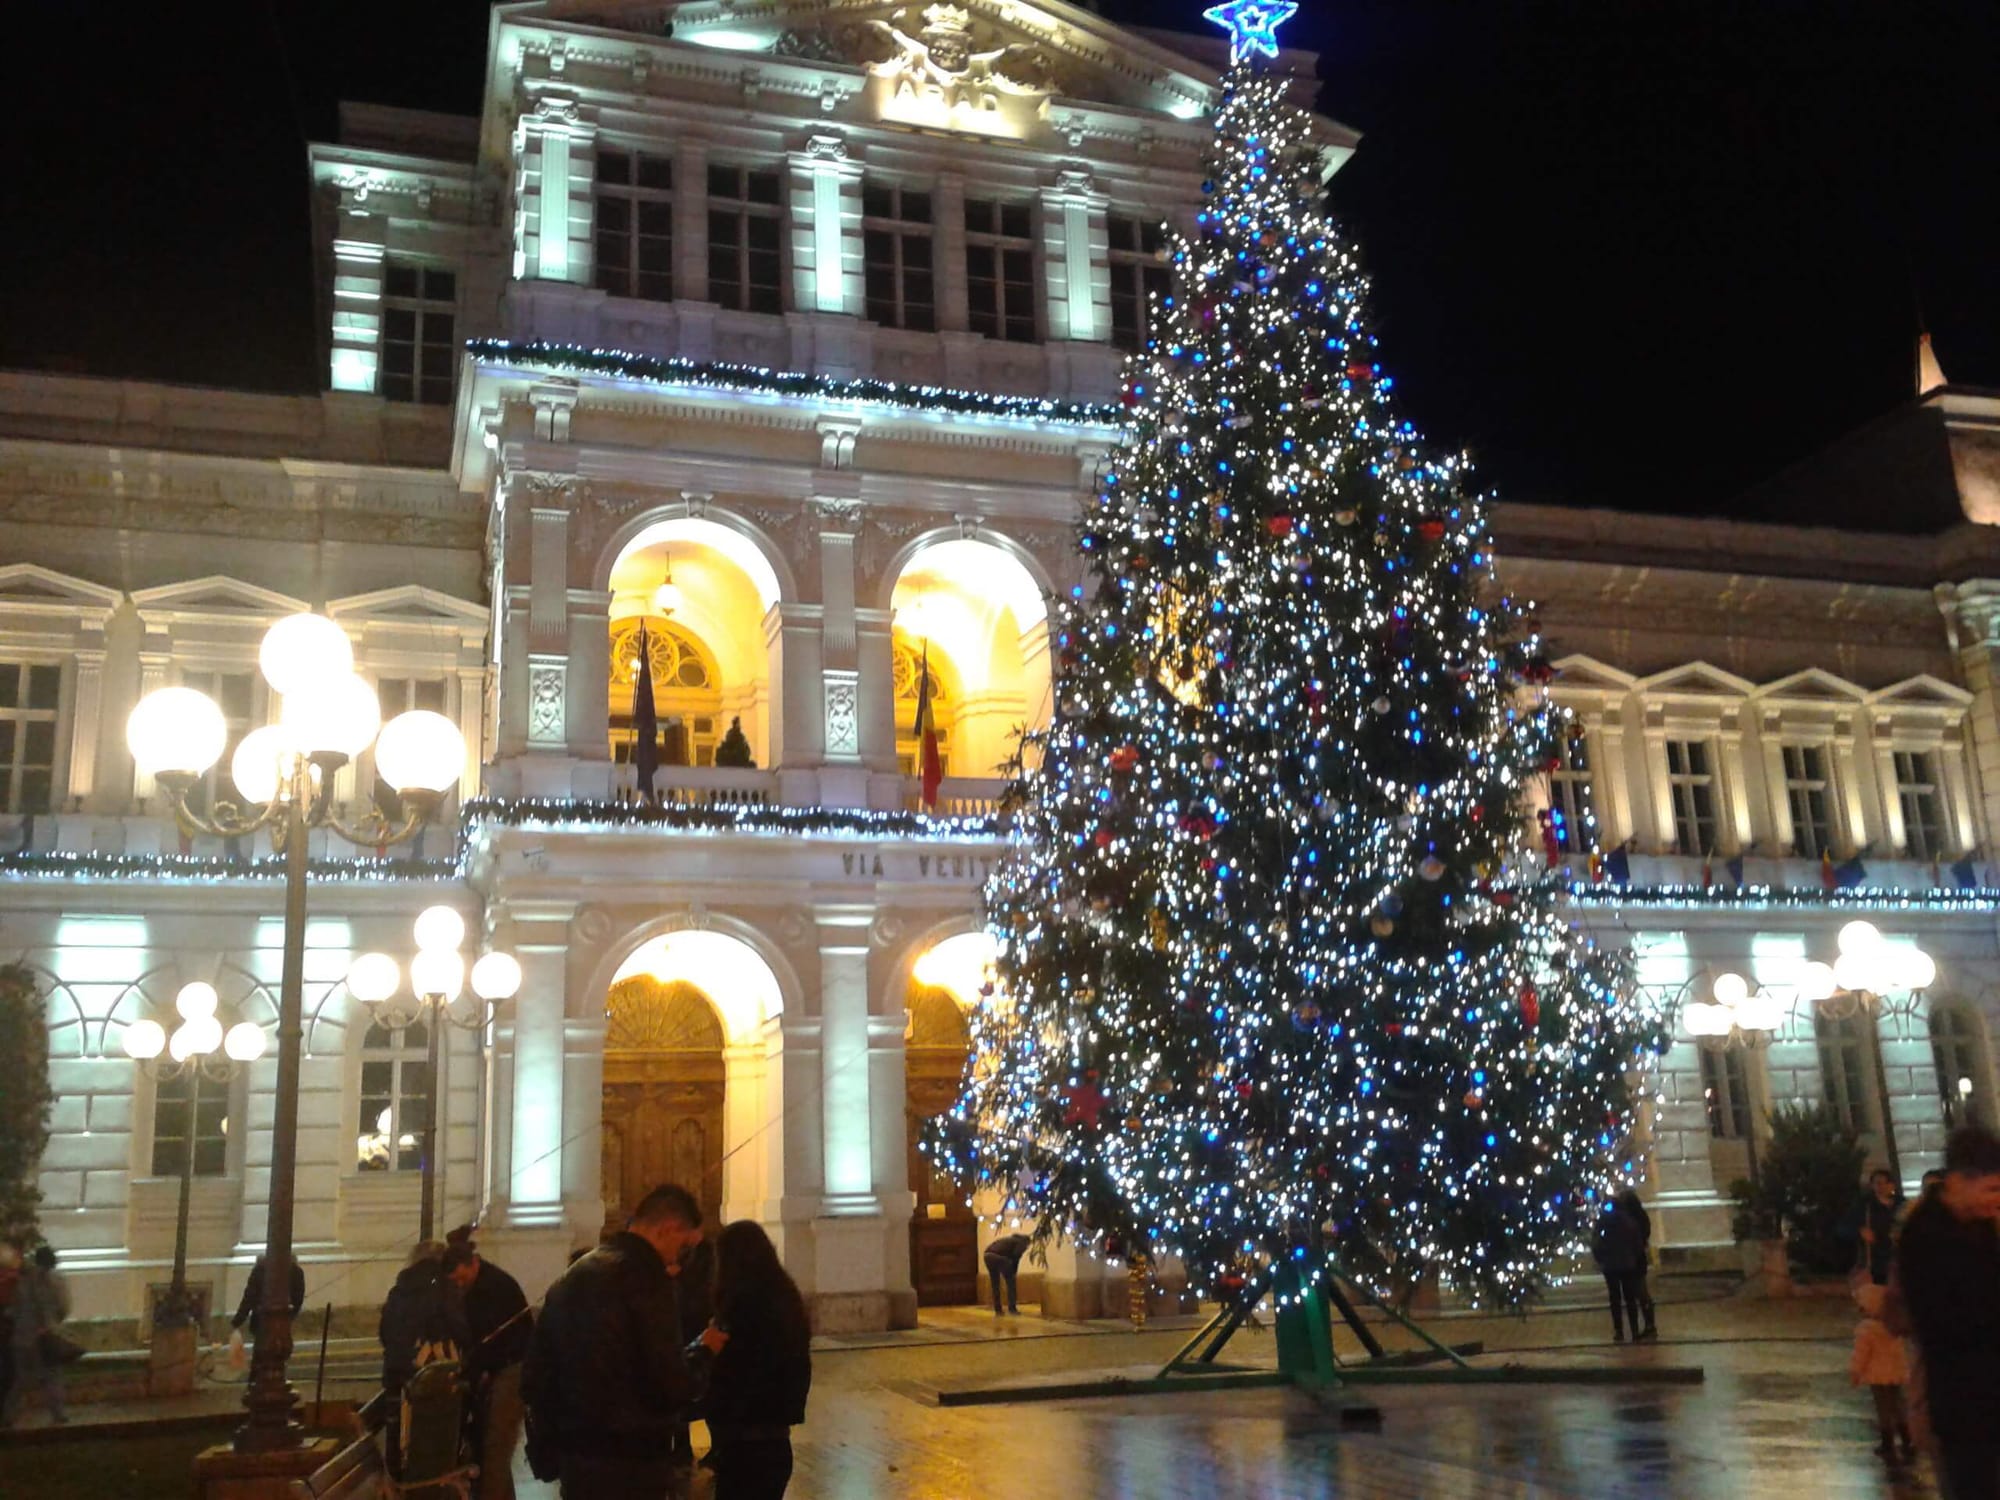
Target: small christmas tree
{"x": 25, "y": 1100}
{"x": 1282, "y": 979}
{"x": 734, "y": 751}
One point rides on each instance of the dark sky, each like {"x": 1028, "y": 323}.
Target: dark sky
{"x": 1631, "y": 254}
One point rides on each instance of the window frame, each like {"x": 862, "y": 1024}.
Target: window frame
{"x": 406, "y": 1048}
{"x": 740, "y": 211}
{"x": 1922, "y": 838}
{"x": 633, "y": 278}
{"x": 1138, "y": 269}
{"x": 1573, "y": 791}
{"x": 1811, "y": 837}
{"x": 1687, "y": 788}
{"x": 1968, "y": 1048}
{"x": 202, "y": 1094}
{"x": 424, "y": 308}
{"x": 997, "y": 318}
{"x": 17, "y": 725}
{"x": 1853, "y": 1100}
{"x": 1726, "y": 1093}
{"x": 208, "y": 676}
{"x": 901, "y": 231}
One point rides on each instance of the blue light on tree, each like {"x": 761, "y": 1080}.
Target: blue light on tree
{"x": 1252, "y": 25}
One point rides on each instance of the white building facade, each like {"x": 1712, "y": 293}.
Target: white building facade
{"x": 795, "y": 337}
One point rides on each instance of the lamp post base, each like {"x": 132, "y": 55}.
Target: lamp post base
{"x": 170, "y": 1360}
{"x": 222, "y": 1473}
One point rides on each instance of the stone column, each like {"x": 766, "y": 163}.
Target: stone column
{"x": 1972, "y": 622}
{"x": 534, "y": 1185}
{"x": 1778, "y": 803}
{"x": 1076, "y": 257}
{"x": 85, "y": 727}
{"x": 1734, "y": 826}
{"x": 888, "y": 1097}
{"x": 948, "y": 252}
{"x": 554, "y": 170}
{"x": 355, "y": 345}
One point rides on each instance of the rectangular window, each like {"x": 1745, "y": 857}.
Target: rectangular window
{"x": 238, "y": 695}
{"x": 1691, "y": 783}
{"x": 1725, "y": 1087}
{"x": 401, "y": 694}
{"x": 190, "y": 1105}
{"x": 1808, "y": 788}
{"x": 1138, "y": 274}
{"x": 1922, "y": 799}
{"x": 1843, "y": 1067}
{"x": 29, "y": 695}
{"x": 635, "y": 224}
{"x": 395, "y": 1099}
{"x": 419, "y": 333}
{"x": 897, "y": 265}
{"x": 1570, "y": 795}
{"x": 1000, "y": 270}
{"x": 1956, "y": 1053}
{"x": 745, "y": 224}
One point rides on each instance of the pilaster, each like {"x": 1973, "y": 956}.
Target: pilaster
{"x": 355, "y": 340}
{"x": 1076, "y": 254}
{"x": 554, "y": 175}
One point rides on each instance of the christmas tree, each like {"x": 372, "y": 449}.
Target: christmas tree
{"x": 1282, "y": 975}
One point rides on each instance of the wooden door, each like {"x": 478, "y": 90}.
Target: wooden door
{"x": 944, "y": 1234}
{"x": 663, "y": 1097}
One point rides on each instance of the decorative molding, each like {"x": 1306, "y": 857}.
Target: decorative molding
{"x": 548, "y": 713}
{"x": 843, "y": 714}
{"x": 644, "y": 1014}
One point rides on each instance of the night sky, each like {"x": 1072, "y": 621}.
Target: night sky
{"x": 1630, "y": 254}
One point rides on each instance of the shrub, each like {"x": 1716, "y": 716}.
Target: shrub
{"x": 1807, "y": 1184}
{"x": 24, "y": 1102}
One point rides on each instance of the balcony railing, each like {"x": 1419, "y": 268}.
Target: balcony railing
{"x": 958, "y": 796}
{"x": 701, "y": 786}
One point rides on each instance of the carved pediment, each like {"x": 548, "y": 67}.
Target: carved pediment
{"x": 33, "y": 586}
{"x": 1695, "y": 680}
{"x": 215, "y": 595}
{"x": 408, "y": 604}
{"x": 1923, "y": 691}
{"x": 1813, "y": 685}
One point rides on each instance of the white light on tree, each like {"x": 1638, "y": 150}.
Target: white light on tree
{"x": 338, "y": 716}
{"x": 438, "y": 974}
{"x": 176, "y": 730}
{"x": 244, "y": 1042}
{"x": 144, "y": 1040}
{"x": 440, "y": 928}
{"x": 373, "y": 977}
{"x": 420, "y": 751}
{"x": 303, "y": 652}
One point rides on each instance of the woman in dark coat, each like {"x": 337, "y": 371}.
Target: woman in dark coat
{"x": 760, "y": 1348}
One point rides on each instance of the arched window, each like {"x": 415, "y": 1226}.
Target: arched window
{"x": 687, "y": 692}
{"x": 909, "y": 673}
{"x": 1958, "y": 1048}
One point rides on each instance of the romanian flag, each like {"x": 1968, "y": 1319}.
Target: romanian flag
{"x": 929, "y": 767}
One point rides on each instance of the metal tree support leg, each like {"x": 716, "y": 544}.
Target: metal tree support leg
{"x": 1350, "y": 1317}
{"x": 1417, "y": 1328}
{"x": 1305, "y": 1331}
{"x": 1211, "y": 1336}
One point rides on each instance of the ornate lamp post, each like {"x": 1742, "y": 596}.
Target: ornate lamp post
{"x": 437, "y": 976}
{"x": 284, "y": 772}
{"x": 198, "y": 1050}
{"x": 1736, "y": 1015}
{"x": 1867, "y": 973}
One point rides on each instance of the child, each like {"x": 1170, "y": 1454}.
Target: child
{"x": 1878, "y": 1362}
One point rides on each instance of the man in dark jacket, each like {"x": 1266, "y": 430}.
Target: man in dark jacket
{"x": 1003, "y": 1264}
{"x": 607, "y": 1380}
{"x": 251, "y": 1309}
{"x": 499, "y": 1326}
{"x": 1620, "y": 1253}
{"x": 1948, "y": 1263}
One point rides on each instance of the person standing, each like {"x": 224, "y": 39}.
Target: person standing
{"x": 498, "y": 1328}
{"x": 760, "y": 1350}
{"x": 250, "y": 1310}
{"x": 1880, "y": 1208}
{"x": 41, "y": 1305}
{"x": 1620, "y": 1253}
{"x": 422, "y": 1323}
{"x": 606, "y": 1381}
{"x": 1878, "y": 1362}
{"x": 1003, "y": 1263}
{"x": 1949, "y": 1274}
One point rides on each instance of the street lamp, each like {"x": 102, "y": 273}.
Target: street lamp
{"x": 1866, "y": 971}
{"x": 1736, "y": 1014}
{"x": 285, "y": 772}
{"x": 198, "y": 1049}
{"x": 437, "y": 978}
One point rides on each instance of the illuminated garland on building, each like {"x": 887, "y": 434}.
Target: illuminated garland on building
{"x": 60, "y": 865}
{"x": 756, "y": 380}
{"x": 1269, "y": 986}
{"x": 737, "y": 818}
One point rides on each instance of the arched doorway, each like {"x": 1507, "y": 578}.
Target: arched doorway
{"x": 944, "y": 1232}
{"x": 663, "y": 1095}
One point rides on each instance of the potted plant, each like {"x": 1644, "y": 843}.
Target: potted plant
{"x": 1791, "y": 1216}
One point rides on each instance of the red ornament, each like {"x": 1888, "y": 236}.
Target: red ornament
{"x": 1431, "y": 529}
{"x": 1359, "y": 371}
{"x": 1102, "y": 838}
{"x": 1132, "y": 396}
{"x": 1279, "y": 525}
{"x": 1531, "y": 1006}
{"x": 1125, "y": 759}
{"x": 1245, "y": 1090}
{"x": 1084, "y": 1102}
{"x": 1479, "y": 812}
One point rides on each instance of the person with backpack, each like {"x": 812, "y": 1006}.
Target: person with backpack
{"x": 423, "y": 1323}
{"x": 499, "y": 1327}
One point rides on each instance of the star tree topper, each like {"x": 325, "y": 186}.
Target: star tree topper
{"x": 1252, "y": 25}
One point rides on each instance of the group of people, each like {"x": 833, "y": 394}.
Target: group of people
{"x": 1927, "y": 1345}
{"x": 654, "y": 1328}
{"x": 34, "y": 1303}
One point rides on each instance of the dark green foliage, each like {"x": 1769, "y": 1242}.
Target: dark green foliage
{"x": 734, "y": 751}
{"x": 1809, "y": 1178}
{"x": 25, "y": 1099}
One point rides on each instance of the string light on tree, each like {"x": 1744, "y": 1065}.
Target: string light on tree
{"x": 1289, "y": 979}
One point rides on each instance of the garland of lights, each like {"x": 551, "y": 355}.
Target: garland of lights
{"x": 1279, "y": 976}
{"x": 746, "y": 817}
{"x": 59, "y": 865}
{"x": 756, "y": 380}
